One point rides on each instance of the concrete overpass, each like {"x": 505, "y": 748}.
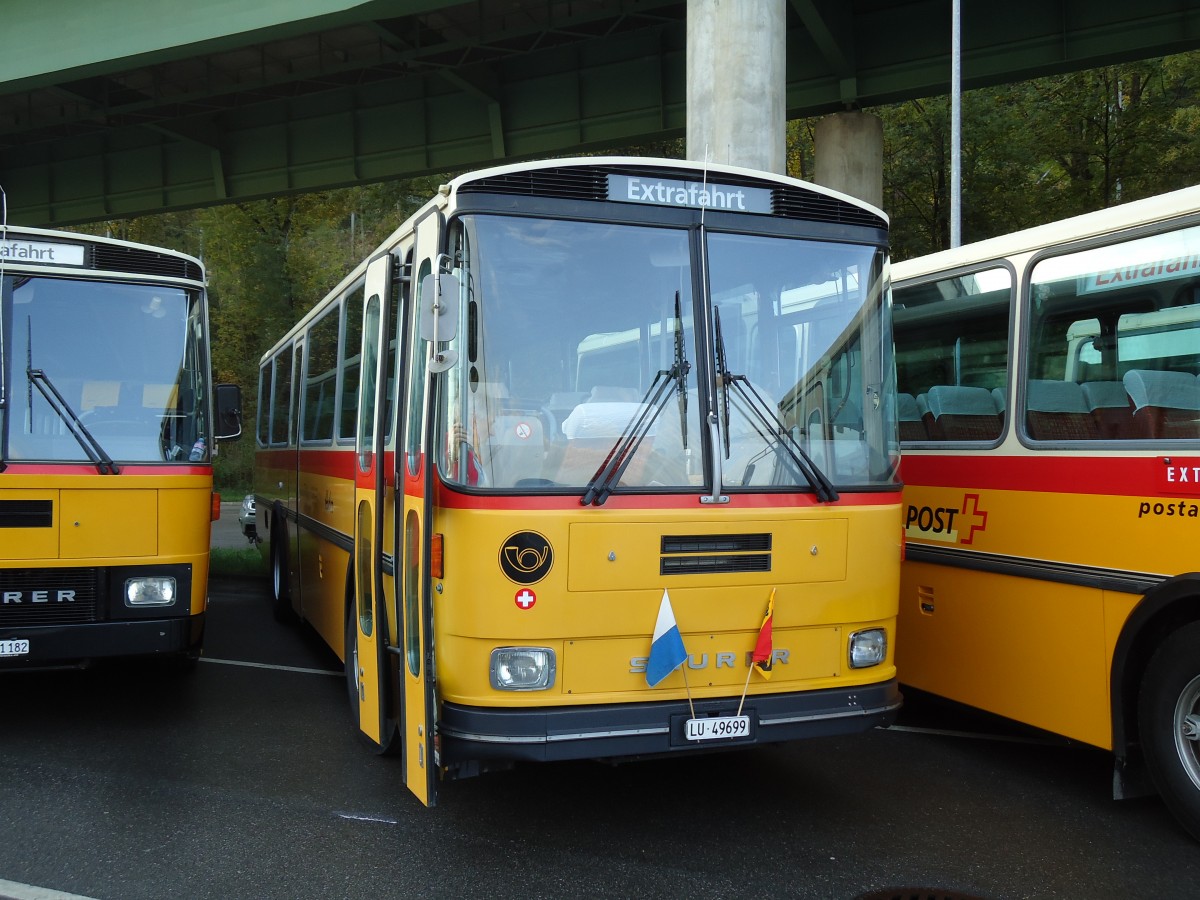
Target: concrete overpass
{"x": 125, "y": 107}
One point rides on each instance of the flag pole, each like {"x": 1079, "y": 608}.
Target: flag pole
{"x": 764, "y": 630}
{"x": 687, "y": 687}
{"x": 745, "y": 688}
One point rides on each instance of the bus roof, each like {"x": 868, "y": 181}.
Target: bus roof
{"x": 446, "y": 191}
{"x": 685, "y": 166}
{"x": 1152, "y": 209}
{"x": 55, "y": 234}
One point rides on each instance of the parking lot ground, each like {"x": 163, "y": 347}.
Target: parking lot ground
{"x": 244, "y": 780}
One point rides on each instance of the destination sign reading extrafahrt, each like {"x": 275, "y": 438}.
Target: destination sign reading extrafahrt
{"x": 44, "y": 252}
{"x": 689, "y": 194}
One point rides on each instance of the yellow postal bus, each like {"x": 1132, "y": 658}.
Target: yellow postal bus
{"x": 107, "y": 430}
{"x": 1050, "y": 412}
{"x": 562, "y": 399}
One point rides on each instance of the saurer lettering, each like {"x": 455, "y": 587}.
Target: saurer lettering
{"x": 7, "y": 597}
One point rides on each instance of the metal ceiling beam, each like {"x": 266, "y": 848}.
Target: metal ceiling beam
{"x": 226, "y": 100}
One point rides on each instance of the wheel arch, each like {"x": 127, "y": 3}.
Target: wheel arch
{"x": 1162, "y": 610}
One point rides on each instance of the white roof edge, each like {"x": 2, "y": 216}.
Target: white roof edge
{"x": 57, "y": 234}
{"x": 1114, "y": 218}
{"x": 662, "y": 162}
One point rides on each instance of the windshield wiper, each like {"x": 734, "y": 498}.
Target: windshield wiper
{"x": 104, "y": 463}
{"x": 766, "y": 422}
{"x": 652, "y": 404}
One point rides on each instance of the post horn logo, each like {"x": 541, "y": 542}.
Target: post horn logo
{"x": 526, "y": 557}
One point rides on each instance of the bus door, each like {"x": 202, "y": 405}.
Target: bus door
{"x": 366, "y": 624}
{"x": 414, "y": 543}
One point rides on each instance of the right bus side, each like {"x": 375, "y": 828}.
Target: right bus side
{"x": 1049, "y": 405}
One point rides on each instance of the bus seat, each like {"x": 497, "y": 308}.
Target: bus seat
{"x": 1166, "y": 404}
{"x": 962, "y": 413}
{"x": 558, "y": 407}
{"x": 601, "y": 419}
{"x": 912, "y": 425}
{"x": 516, "y": 449}
{"x": 1111, "y": 409}
{"x": 999, "y": 398}
{"x": 605, "y": 393}
{"x": 927, "y": 416}
{"x": 1057, "y": 411}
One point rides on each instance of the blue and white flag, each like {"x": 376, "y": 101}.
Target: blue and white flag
{"x": 666, "y": 649}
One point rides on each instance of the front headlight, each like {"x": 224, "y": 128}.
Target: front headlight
{"x": 868, "y": 648}
{"x": 522, "y": 668}
{"x": 150, "y": 591}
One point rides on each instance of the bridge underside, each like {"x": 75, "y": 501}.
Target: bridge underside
{"x": 298, "y": 95}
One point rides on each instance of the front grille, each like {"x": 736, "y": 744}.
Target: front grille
{"x": 34, "y": 597}
{"x": 570, "y": 183}
{"x": 710, "y": 565}
{"x": 26, "y": 514}
{"x": 715, "y": 543}
{"x": 810, "y": 206}
{"x": 145, "y": 262}
{"x": 709, "y": 554}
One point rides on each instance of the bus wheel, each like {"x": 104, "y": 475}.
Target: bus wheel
{"x": 1169, "y": 720}
{"x": 281, "y": 601}
{"x": 350, "y": 646}
{"x": 391, "y": 742}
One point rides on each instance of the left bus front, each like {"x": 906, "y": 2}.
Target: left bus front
{"x": 105, "y": 473}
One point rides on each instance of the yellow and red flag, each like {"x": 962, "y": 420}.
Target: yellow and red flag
{"x": 761, "y": 658}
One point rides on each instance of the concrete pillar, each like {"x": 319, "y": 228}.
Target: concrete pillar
{"x": 736, "y": 82}
{"x": 849, "y": 155}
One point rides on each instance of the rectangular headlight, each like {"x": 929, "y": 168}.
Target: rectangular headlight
{"x": 868, "y": 648}
{"x": 522, "y": 668}
{"x": 155, "y": 590}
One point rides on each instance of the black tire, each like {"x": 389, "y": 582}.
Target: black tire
{"x": 391, "y": 738}
{"x": 1169, "y": 722}
{"x": 281, "y": 597}
{"x": 350, "y": 667}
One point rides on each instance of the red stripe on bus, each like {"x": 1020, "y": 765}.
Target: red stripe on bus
{"x": 1116, "y": 475}
{"x": 451, "y": 499}
{"x": 19, "y": 468}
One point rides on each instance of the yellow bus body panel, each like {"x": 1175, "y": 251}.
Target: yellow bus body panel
{"x": 99, "y": 520}
{"x": 599, "y": 618}
{"x": 1037, "y": 651}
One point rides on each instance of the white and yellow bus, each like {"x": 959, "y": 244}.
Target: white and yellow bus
{"x": 1050, "y": 413}
{"x": 107, "y": 429}
{"x": 558, "y": 394}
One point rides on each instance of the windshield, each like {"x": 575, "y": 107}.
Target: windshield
{"x": 122, "y": 363}
{"x": 581, "y": 367}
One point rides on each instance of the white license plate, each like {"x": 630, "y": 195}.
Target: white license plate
{"x": 14, "y": 648}
{"x": 717, "y": 727}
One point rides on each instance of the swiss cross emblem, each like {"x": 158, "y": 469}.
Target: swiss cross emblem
{"x": 525, "y": 599}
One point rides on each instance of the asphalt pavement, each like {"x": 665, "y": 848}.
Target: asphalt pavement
{"x": 244, "y": 779}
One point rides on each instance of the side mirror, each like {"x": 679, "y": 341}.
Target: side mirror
{"x": 439, "y": 296}
{"x": 228, "y": 399}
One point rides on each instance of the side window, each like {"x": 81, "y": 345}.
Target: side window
{"x": 416, "y": 383}
{"x": 1114, "y": 348}
{"x": 281, "y": 399}
{"x": 370, "y": 370}
{"x": 320, "y": 379}
{"x": 395, "y": 321}
{"x": 265, "y": 374}
{"x": 352, "y": 319}
{"x": 952, "y": 356}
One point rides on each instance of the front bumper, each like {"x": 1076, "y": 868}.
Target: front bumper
{"x": 76, "y": 644}
{"x": 613, "y": 731}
